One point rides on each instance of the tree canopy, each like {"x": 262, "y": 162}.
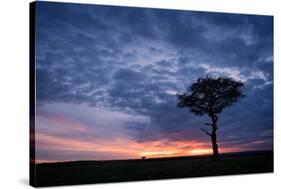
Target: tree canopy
{"x": 210, "y": 95}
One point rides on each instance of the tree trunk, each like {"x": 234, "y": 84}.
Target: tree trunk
{"x": 214, "y": 138}
{"x": 215, "y": 146}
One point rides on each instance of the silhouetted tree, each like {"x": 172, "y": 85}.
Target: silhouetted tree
{"x": 210, "y": 96}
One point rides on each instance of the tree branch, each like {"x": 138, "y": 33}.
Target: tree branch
{"x": 209, "y": 124}
{"x": 205, "y": 131}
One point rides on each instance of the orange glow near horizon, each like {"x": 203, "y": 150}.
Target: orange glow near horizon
{"x": 124, "y": 148}
{"x": 201, "y": 151}
{"x": 61, "y": 138}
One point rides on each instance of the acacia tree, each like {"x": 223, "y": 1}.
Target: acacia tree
{"x": 209, "y": 96}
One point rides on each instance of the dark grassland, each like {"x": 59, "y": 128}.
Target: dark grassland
{"x": 85, "y": 172}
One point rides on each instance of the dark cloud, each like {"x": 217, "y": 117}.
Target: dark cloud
{"x": 135, "y": 60}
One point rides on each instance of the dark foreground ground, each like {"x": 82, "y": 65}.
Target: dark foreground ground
{"x": 85, "y": 172}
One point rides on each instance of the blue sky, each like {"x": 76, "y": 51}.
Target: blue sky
{"x": 106, "y": 79}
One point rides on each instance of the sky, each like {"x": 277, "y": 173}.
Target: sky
{"x": 107, "y": 79}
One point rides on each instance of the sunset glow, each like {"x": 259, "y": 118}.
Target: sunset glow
{"x": 200, "y": 151}
{"x": 121, "y": 147}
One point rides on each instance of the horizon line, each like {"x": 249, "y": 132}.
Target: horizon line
{"x": 149, "y": 158}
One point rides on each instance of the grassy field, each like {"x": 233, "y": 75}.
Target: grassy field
{"x": 85, "y": 172}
